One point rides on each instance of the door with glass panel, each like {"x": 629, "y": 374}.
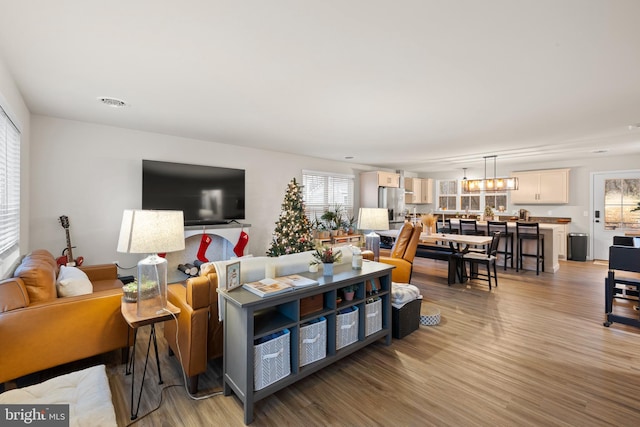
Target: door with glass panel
{"x": 615, "y": 195}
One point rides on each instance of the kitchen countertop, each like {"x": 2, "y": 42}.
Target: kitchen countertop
{"x": 509, "y": 218}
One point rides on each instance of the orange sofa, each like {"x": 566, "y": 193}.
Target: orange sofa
{"x": 38, "y": 330}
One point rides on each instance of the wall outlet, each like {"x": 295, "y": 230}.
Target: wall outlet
{"x": 585, "y": 213}
{"x": 549, "y": 213}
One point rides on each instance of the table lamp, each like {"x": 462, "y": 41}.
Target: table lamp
{"x": 151, "y": 232}
{"x": 373, "y": 219}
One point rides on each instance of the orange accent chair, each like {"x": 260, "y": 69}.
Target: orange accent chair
{"x": 402, "y": 253}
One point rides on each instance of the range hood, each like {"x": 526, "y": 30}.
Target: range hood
{"x": 402, "y": 186}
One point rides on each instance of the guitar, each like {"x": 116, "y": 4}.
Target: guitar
{"x": 67, "y": 255}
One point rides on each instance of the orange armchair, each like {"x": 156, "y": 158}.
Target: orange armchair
{"x": 403, "y": 252}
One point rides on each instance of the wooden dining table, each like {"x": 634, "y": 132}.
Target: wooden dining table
{"x": 459, "y": 239}
{"x": 458, "y": 243}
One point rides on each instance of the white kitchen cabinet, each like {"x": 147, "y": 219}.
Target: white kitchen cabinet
{"x": 388, "y": 179}
{"x": 541, "y": 187}
{"x": 426, "y": 196}
{"x": 413, "y": 190}
{"x": 418, "y": 190}
{"x": 561, "y": 238}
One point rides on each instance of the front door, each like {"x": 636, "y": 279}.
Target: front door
{"x": 614, "y": 194}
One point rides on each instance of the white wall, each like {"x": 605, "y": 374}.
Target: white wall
{"x": 91, "y": 173}
{"x": 12, "y": 102}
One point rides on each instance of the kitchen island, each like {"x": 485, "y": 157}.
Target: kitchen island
{"x": 552, "y": 244}
{"x": 554, "y": 235}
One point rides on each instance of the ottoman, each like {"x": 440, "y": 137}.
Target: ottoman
{"x": 86, "y": 392}
{"x": 405, "y": 319}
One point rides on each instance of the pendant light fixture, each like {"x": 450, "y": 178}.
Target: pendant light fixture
{"x": 492, "y": 184}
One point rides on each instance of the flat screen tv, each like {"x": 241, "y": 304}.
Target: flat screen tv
{"x": 206, "y": 194}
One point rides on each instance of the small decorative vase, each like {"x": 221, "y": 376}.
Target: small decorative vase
{"x": 348, "y": 296}
{"x": 327, "y": 269}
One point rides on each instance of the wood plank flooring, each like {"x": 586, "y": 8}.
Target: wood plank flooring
{"x": 532, "y": 352}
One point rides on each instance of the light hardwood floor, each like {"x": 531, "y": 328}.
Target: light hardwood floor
{"x": 532, "y": 352}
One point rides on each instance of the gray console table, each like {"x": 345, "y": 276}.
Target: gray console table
{"x": 247, "y": 318}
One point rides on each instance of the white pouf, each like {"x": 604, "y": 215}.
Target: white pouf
{"x": 87, "y": 392}
{"x": 429, "y": 315}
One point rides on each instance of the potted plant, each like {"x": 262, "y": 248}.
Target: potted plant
{"x": 349, "y": 291}
{"x": 488, "y": 213}
{"x": 148, "y": 290}
{"x": 333, "y": 219}
{"x": 351, "y": 225}
{"x": 326, "y": 256}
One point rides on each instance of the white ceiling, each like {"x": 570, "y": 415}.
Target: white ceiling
{"x": 419, "y": 85}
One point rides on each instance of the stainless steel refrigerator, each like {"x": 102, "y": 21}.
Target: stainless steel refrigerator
{"x": 392, "y": 199}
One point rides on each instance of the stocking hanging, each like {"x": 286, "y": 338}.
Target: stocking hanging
{"x": 204, "y": 244}
{"x": 242, "y": 243}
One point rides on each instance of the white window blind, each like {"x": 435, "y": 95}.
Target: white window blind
{"x": 324, "y": 191}
{"x": 9, "y": 185}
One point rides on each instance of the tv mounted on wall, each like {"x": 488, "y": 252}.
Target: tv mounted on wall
{"x": 206, "y": 194}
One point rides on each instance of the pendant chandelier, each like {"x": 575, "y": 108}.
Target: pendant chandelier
{"x": 489, "y": 184}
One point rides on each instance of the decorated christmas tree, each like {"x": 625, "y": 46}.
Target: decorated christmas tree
{"x": 293, "y": 229}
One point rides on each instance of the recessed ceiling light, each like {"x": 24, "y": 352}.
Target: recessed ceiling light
{"x": 600, "y": 151}
{"x": 112, "y": 102}
{"x": 634, "y": 126}
{"x": 348, "y": 157}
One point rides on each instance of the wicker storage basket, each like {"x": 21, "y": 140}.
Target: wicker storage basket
{"x": 313, "y": 341}
{"x": 272, "y": 359}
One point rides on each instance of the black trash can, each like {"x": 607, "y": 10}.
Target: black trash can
{"x": 577, "y": 246}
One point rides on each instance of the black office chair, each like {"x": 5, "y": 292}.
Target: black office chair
{"x": 488, "y": 259}
{"x": 530, "y": 231}
{"x": 623, "y": 240}
{"x": 506, "y": 236}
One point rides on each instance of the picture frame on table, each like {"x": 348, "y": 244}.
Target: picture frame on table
{"x": 233, "y": 276}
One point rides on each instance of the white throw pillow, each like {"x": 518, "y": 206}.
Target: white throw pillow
{"x": 72, "y": 281}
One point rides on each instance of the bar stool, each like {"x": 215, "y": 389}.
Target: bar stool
{"x": 469, "y": 227}
{"x": 506, "y": 236}
{"x": 530, "y": 231}
{"x": 445, "y": 227}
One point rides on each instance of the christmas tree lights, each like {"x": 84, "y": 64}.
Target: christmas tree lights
{"x": 293, "y": 229}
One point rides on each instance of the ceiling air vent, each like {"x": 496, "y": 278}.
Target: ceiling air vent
{"x": 112, "y": 102}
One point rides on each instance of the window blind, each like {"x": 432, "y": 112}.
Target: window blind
{"x": 9, "y": 185}
{"x": 324, "y": 191}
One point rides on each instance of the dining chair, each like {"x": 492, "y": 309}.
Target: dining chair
{"x": 506, "y": 236}
{"x": 530, "y": 231}
{"x": 470, "y": 227}
{"x": 488, "y": 259}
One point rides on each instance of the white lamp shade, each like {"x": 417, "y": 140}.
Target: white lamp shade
{"x": 151, "y": 231}
{"x": 373, "y": 219}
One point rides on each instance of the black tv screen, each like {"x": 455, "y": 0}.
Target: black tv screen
{"x": 206, "y": 194}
